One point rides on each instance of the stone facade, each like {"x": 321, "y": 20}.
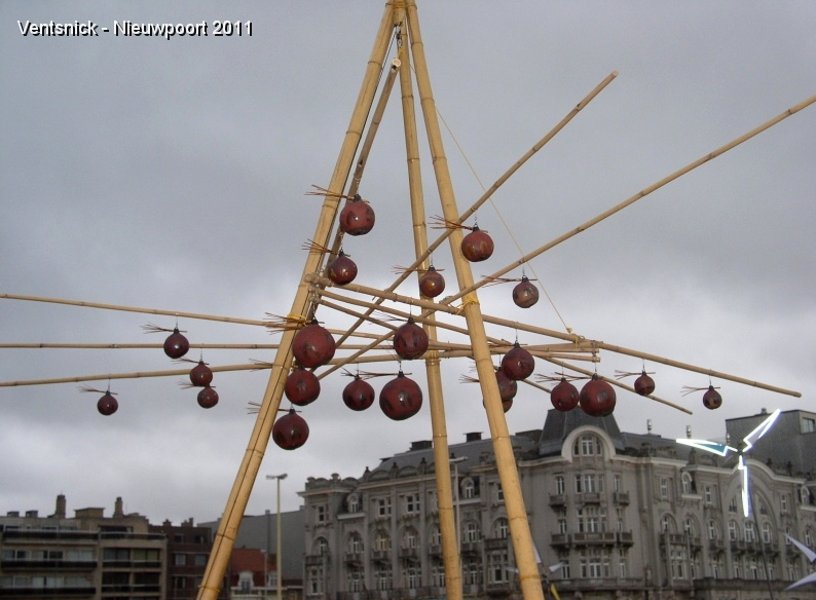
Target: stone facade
{"x": 624, "y": 515}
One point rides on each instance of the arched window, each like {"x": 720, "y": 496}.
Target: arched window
{"x": 470, "y": 531}
{"x": 667, "y": 524}
{"x": 410, "y": 538}
{"x": 733, "y": 532}
{"x": 713, "y": 530}
{"x": 587, "y": 444}
{"x": 355, "y": 543}
{"x": 766, "y": 533}
{"x": 382, "y": 541}
{"x": 353, "y": 502}
{"x": 321, "y": 546}
{"x": 468, "y": 488}
{"x": 687, "y": 483}
{"x": 500, "y": 528}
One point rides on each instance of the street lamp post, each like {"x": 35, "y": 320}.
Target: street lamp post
{"x": 278, "y": 538}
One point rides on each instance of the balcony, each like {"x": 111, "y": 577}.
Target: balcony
{"x": 435, "y": 550}
{"x": 496, "y": 543}
{"x": 558, "y": 500}
{"x": 409, "y": 554}
{"x": 381, "y": 556}
{"x": 621, "y": 498}
{"x": 470, "y": 548}
{"x": 588, "y": 498}
{"x": 599, "y": 538}
{"x": 315, "y": 560}
{"x": 8, "y": 564}
{"x": 625, "y": 538}
{"x": 499, "y": 588}
{"x": 353, "y": 559}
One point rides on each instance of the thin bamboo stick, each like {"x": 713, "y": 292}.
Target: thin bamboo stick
{"x": 136, "y": 309}
{"x": 129, "y": 346}
{"x": 616, "y": 383}
{"x": 130, "y": 375}
{"x": 638, "y": 196}
{"x": 301, "y": 305}
{"x": 529, "y": 577}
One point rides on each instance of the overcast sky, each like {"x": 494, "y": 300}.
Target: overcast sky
{"x": 172, "y": 174}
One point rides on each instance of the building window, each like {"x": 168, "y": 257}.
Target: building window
{"x": 320, "y": 513}
{"x": 355, "y": 581}
{"x": 179, "y": 560}
{"x": 732, "y": 531}
{"x": 750, "y": 532}
{"x": 353, "y": 503}
{"x": 321, "y": 546}
{"x": 314, "y": 579}
{"x": 471, "y": 572}
{"x": 808, "y": 425}
{"x": 409, "y": 538}
{"x": 355, "y": 543}
{"x": 713, "y": 530}
{"x": 499, "y": 492}
{"x": 382, "y": 578}
{"x": 382, "y": 506}
{"x": 500, "y": 528}
{"x": 468, "y": 488}
{"x": 562, "y": 523}
{"x": 732, "y": 504}
{"x": 667, "y": 524}
{"x": 687, "y": 483}
{"x": 591, "y": 519}
{"x": 708, "y": 495}
{"x": 438, "y": 575}
{"x": 433, "y": 502}
{"x": 497, "y": 570}
{"x": 784, "y": 499}
{"x": 471, "y": 532}
{"x": 804, "y": 495}
{"x": 411, "y": 577}
{"x": 664, "y": 488}
{"x": 382, "y": 542}
{"x": 411, "y": 504}
{"x": 436, "y": 536}
{"x": 589, "y": 483}
{"x": 594, "y": 563}
{"x": 678, "y": 562}
{"x": 587, "y": 445}
{"x": 766, "y": 533}
{"x": 560, "y": 488}
{"x": 616, "y": 483}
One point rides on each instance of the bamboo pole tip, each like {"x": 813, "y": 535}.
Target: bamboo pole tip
{"x": 614, "y": 73}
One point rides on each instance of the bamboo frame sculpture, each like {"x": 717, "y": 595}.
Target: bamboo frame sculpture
{"x": 400, "y": 23}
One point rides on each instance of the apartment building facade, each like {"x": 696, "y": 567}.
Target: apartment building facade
{"x": 624, "y": 516}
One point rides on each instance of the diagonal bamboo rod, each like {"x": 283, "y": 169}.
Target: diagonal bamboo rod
{"x": 638, "y": 196}
{"x": 616, "y": 383}
{"x": 129, "y": 346}
{"x": 504, "y": 177}
{"x": 301, "y": 306}
{"x": 136, "y": 309}
{"x": 529, "y": 577}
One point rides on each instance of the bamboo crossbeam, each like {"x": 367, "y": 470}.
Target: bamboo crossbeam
{"x": 136, "y": 309}
{"x": 638, "y": 196}
{"x": 130, "y": 375}
{"x": 617, "y": 383}
{"x": 131, "y": 346}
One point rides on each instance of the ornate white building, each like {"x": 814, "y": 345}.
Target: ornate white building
{"x": 627, "y": 516}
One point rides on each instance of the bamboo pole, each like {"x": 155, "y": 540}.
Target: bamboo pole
{"x": 301, "y": 305}
{"x": 448, "y": 526}
{"x": 505, "y": 460}
{"x": 130, "y": 346}
{"x": 638, "y": 196}
{"x": 136, "y": 309}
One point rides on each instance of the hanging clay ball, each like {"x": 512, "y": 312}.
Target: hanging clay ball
{"x": 712, "y": 398}
{"x": 176, "y": 345}
{"x": 564, "y": 396}
{"x": 410, "y": 340}
{"x": 507, "y": 404}
{"x": 302, "y": 387}
{"x": 357, "y": 216}
{"x": 597, "y": 397}
{"x": 201, "y": 375}
{"x": 107, "y": 404}
{"x": 342, "y": 270}
{"x": 477, "y": 245}
{"x": 313, "y": 346}
{"x": 525, "y": 294}
{"x": 644, "y": 385}
{"x": 290, "y": 431}
{"x": 358, "y": 395}
{"x": 518, "y": 363}
{"x": 508, "y": 388}
{"x": 400, "y": 398}
{"x": 207, "y": 397}
{"x": 431, "y": 283}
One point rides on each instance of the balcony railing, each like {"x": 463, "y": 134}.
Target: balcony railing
{"x": 589, "y": 498}
{"x": 594, "y": 538}
{"x": 620, "y": 498}
{"x": 558, "y": 499}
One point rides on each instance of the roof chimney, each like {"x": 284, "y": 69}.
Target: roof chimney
{"x": 473, "y": 436}
{"x": 59, "y": 511}
{"x": 117, "y": 508}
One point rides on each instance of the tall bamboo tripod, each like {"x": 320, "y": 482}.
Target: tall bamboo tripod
{"x": 399, "y": 19}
